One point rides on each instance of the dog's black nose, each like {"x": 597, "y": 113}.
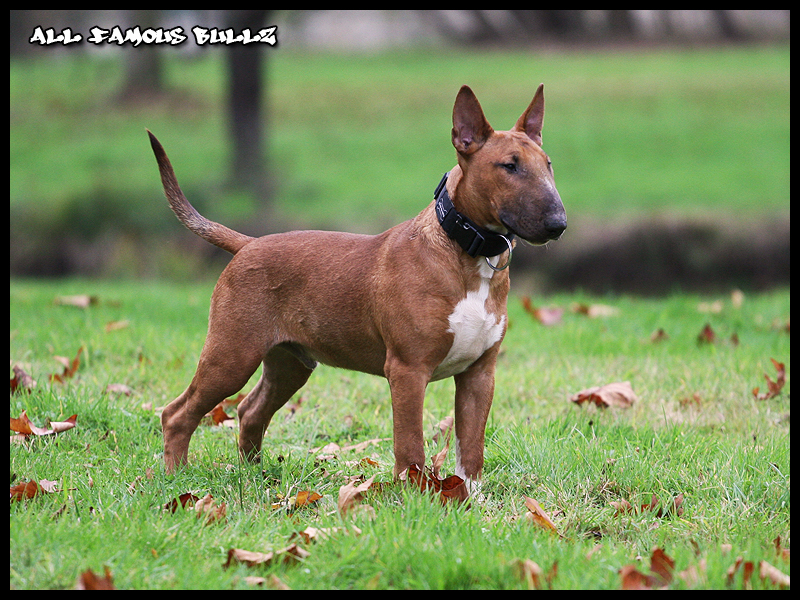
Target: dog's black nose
{"x": 555, "y": 225}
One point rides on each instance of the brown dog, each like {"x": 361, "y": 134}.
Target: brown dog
{"x": 420, "y": 302}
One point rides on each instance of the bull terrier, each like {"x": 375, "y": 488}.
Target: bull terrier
{"x": 420, "y": 302}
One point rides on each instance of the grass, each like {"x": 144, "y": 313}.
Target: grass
{"x": 360, "y": 141}
{"x": 695, "y": 430}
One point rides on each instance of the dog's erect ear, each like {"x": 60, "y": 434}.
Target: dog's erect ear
{"x": 470, "y": 127}
{"x": 530, "y": 123}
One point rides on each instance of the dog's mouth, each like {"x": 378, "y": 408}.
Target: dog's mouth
{"x": 538, "y": 233}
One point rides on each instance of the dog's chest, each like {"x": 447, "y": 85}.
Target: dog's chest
{"x": 474, "y": 330}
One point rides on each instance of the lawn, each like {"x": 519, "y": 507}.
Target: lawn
{"x": 696, "y": 436}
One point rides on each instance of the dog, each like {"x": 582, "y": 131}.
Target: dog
{"x": 423, "y": 301}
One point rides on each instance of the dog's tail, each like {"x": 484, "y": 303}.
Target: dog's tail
{"x": 219, "y": 235}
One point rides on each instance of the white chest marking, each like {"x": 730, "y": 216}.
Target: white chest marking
{"x": 474, "y": 330}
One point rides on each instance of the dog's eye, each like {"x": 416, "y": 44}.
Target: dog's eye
{"x": 510, "y": 167}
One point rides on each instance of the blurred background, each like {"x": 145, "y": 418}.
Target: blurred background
{"x": 668, "y": 131}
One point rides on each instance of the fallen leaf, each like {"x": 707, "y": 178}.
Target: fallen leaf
{"x": 444, "y": 427}
{"x": 537, "y": 516}
{"x": 70, "y": 367}
{"x": 661, "y": 567}
{"x": 88, "y": 580}
{"x": 60, "y": 426}
{"x": 659, "y": 336}
{"x": 314, "y": 534}
{"x": 118, "y": 388}
{"x": 306, "y": 497}
{"x": 773, "y": 387}
{"x": 530, "y": 573}
{"x": 545, "y": 316}
{"x": 706, "y": 335}
{"x": 79, "y": 300}
{"x": 218, "y": 416}
{"x": 779, "y": 550}
{"x": 30, "y": 489}
{"x": 617, "y": 395}
{"x": 737, "y": 298}
{"x": 252, "y": 559}
{"x": 747, "y": 572}
{"x": 116, "y": 325}
{"x": 350, "y": 495}
{"x": 182, "y": 501}
{"x": 775, "y": 575}
{"x": 25, "y": 427}
{"x": 207, "y": 507}
{"x": 450, "y": 488}
{"x": 21, "y": 380}
{"x": 675, "y": 508}
{"x": 273, "y": 582}
{"x": 593, "y": 311}
{"x": 710, "y": 307}
{"x": 437, "y": 460}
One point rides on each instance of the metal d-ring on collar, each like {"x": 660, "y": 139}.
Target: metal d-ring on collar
{"x": 475, "y": 240}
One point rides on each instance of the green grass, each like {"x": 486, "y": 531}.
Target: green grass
{"x": 360, "y": 141}
{"x": 727, "y": 453}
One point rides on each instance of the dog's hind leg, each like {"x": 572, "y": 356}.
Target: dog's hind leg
{"x": 220, "y": 373}
{"x": 286, "y": 370}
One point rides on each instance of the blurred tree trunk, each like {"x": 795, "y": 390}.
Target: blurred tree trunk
{"x": 143, "y": 72}
{"x": 245, "y": 93}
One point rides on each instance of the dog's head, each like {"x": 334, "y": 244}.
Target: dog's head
{"x": 507, "y": 179}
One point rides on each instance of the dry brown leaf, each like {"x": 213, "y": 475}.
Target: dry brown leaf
{"x": 216, "y": 416}
{"x": 79, "y": 300}
{"x": 208, "y": 508}
{"x": 675, "y": 508}
{"x": 533, "y": 575}
{"x": 714, "y": 307}
{"x": 537, "y": 516}
{"x": 773, "y": 387}
{"x": 305, "y": 498}
{"x": 328, "y": 450}
{"x": 118, "y": 388}
{"x": 773, "y": 574}
{"x": 116, "y": 325}
{"x": 272, "y": 582}
{"x": 350, "y": 495}
{"x": 661, "y": 567}
{"x": 545, "y": 316}
{"x": 88, "y": 580}
{"x": 70, "y": 367}
{"x": 779, "y": 549}
{"x": 21, "y": 380}
{"x": 25, "y": 427}
{"x": 314, "y": 534}
{"x": 182, "y": 501}
{"x": 450, "y": 488}
{"x": 706, "y": 335}
{"x": 617, "y": 395}
{"x": 594, "y": 311}
{"x": 60, "y": 426}
{"x": 530, "y": 573}
{"x": 659, "y": 336}
{"x": 252, "y": 559}
{"x": 437, "y": 460}
{"x": 29, "y": 489}
{"x": 443, "y": 428}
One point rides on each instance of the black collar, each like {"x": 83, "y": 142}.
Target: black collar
{"x": 475, "y": 240}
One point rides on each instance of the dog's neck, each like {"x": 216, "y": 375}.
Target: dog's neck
{"x": 475, "y": 240}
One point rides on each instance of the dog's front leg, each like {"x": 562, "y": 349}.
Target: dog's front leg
{"x": 474, "y": 392}
{"x": 407, "y": 385}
